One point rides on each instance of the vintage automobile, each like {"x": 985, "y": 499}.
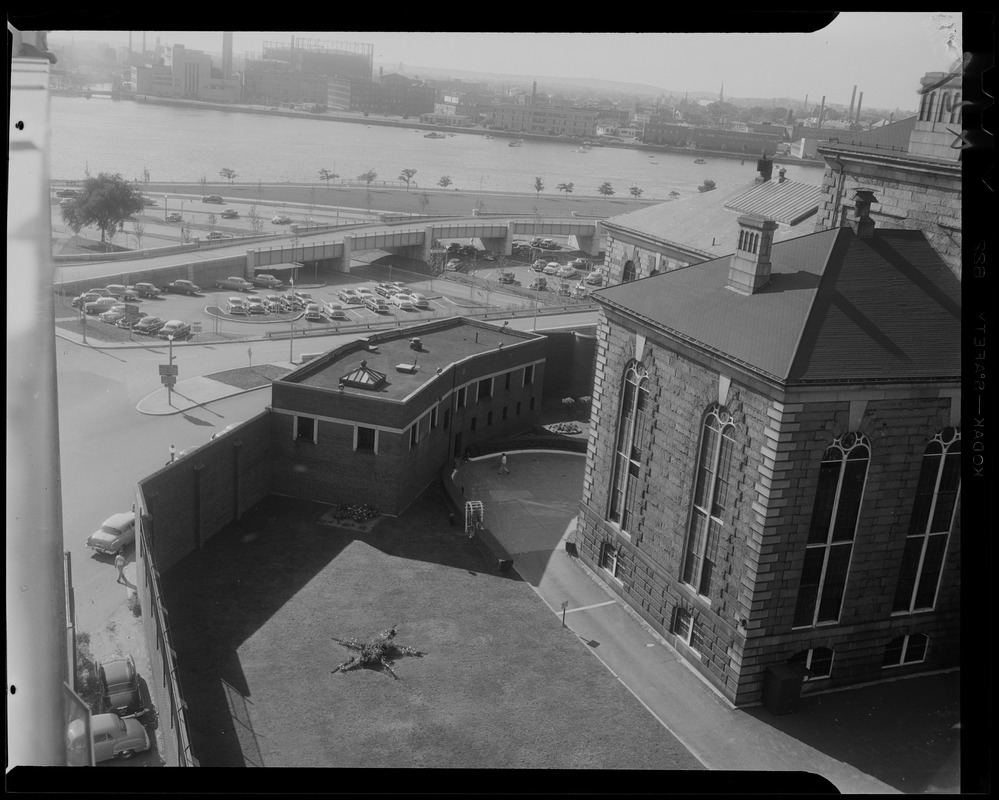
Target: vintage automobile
{"x": 115, "y": 533}
{"x": 212, "y": 198}
{"x": 230, "y": 213}
{"x": 235, "y": 282}
{"x": 174, "y": 329}
{"x": 149, "y": 325}
{"x": 145, "y": 290}
{"x": 175, "y": 217}
{"x": 119, "y": 688}
{"x": 266, "y": 281}
{"x": 182, "y": 287}
{"x": 113, "y": 737}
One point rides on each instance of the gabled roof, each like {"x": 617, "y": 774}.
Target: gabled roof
{"x": 693, "y": 223}
{"x": 838, "y": 308}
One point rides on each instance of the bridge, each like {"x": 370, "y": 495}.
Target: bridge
{"x": 320, "y": 247}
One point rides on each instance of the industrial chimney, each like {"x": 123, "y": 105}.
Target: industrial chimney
{"x": 852, "y": 98}
{"x": 822, "y": 111}
{"x": 860, "y": 100}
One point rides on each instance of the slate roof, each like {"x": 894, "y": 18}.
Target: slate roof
{"x": 838, "y": 309}
{"x": 693, "y": 223}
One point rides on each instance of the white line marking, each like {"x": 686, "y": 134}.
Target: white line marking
{"x": 587, "y": 608}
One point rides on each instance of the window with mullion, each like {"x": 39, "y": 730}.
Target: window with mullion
{"x": 930, "y": 524}
{"x": 711, "y": 497}
{"x": 838, "y": 498}
{"x": 630, "y": 446}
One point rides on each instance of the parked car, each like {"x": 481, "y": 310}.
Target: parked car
{"x": 99, "y": 290}
{"x": 507, "y": 277}
{"x": 349, "y": 296}
{"x": 100, "y": 305}
{"x": 175, "y": 217}
{"x": 420, "y": 301}
{"x": 400, "y": 286}
{"x": 567, "y": 271}
{"x": 580, "y": 263}
{"x": 83, "y": 299}
{"x": 539, "y": 284}
{"x": 256, "y": 307}
{"x": 236, "y": 305}
{"x": 112, "y": 737}
{"x": 551, "y": 268}
{"x": 119, "y": 688}
{"x": 274, "y": 306}
{"x": 454, "y": 265}
{"x": 68, "y": 193}
{"x": 176, "y": 328}
{"x": 536, "y": 241}
{"x": 313, "y": 313}
{"x": 129, "y": 321}
{"x": 266, "y": 281}
{"x": 292, "y": 303}
{"x": 376, "y": 304}
{"x": 335, "y": 310}
{"x": 387, "y": 289}
{"x": 364, "y": 293}
{"x": 149, "y": 325}
{"x": 237, "y": 283}
{"x": 214, "y": 235}
{"x": 114, "y": 535}
{"x": 146, "y": 290}
{"x": 538, "y": 265}
{"x": 148, "y": 201}
{"x": 182, "y": 287}
{"x": 212, "y": 198}
{"x": 404, "y": 302}
{"x": 281, "y": 219}
{"x": 230, "y": 213}
{"x": 305, "y": 297}
{"x": 121, "y": 291}
{"x": 595, "y": 279}
{"x": 550, "y": 244}
{"x": 113, "y": 315}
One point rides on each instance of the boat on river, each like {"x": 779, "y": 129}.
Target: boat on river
{"x": 699, "y": 161}
{"x": 516, "y": 143}
{"x": 434, "y": 135}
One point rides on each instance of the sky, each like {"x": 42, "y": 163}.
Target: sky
{"x": 883, "y": 53}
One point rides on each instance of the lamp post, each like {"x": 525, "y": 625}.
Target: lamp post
{"x": 291, "y": 339}
{"x": 166, "y": 197}
{"x": 169, "y": 386}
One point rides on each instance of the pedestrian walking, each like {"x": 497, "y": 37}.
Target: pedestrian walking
{"x": 119, "y": 562}
{"x": 503, "y": 469}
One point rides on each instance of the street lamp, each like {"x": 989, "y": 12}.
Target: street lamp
{"x": 166, "y": 197}
{"x": 173, "y": 453}
{"x": 169, "y": 387}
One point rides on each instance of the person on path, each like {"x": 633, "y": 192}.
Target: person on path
{"x": 503, "y": 469}
{"x": 119, "y": 562}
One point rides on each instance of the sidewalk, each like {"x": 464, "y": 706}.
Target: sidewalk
{"x": 894, "y": 737}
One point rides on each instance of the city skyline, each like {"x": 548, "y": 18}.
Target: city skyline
{"x": 882, "y": 54}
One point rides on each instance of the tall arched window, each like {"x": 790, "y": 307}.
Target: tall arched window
{"x": 930, "y": 524}
{"x": 631, "y": 434}
{"x": 830, "y": 536}
{"x": 712, "y": 492}
{"x": 629, "y": 273}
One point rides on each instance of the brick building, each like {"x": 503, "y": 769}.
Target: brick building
{"x": 676, "y": 234}
{"x": 374, "y": 421}
{"x": 773, "y": 473}
{"x": 913, "y": 166}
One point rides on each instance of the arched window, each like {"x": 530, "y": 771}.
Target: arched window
{"x": 628, "y": 274}
{"x": 929, "y": 527}
{"x": 631, "y": 433}
{"x": 817, "y": 660}
{"x": 712, "y": 493}
{"x": 908, "y": 649}
{"x": 830, "y": 536}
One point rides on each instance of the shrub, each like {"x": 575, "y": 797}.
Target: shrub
{"x": 134, "y": 604}
{"x": 87, "y": 685}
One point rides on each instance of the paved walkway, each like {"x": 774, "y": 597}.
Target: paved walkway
{"x": 898, "y": 737}
{"x": 895, "y": 737}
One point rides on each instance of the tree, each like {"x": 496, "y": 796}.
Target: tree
{"x": 138, "y": 231}
{"x": 256, "y": 223}
{"x": 424, "y": 200}
{"x": 539, "y": 186}
{"x": 227, "y": 174}
{"x": 368, "y": 177}
{"x": 145, "y": 176}
{"x": 212, "y": 220}
{"x": 407, "y": 176}
{"x": 185, "y": 233}
{"x": 105, "y": 202}
{"x": 674, "y": 194}
{"x": 707, "y": 186}
{"x": 635, "y": 192}
{"x": 203, "y": 180}
{"x": 327, "y": 175}
{"x": 565, "y": 187}
{"x": 445, "y": 181}
{"x": 605, "y": 189}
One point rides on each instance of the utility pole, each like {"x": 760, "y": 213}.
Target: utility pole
{"x": 170, "y": 384}
{"x": 291, "y": 339}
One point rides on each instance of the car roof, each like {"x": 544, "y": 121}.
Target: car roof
{"x": 172, "y": 323}
{"x": 104, "y": 723}
{"x": 120, "y": 519}
{"x": 117, "y": 670}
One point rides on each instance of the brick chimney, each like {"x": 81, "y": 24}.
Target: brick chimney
{"x": 862, "y": 223}
{"x": 749, "y": 268}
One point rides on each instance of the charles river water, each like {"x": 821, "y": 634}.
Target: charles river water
{"x": 182, "y": 144}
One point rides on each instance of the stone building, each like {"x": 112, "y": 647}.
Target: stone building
{"x": 374, "y": 421}
{"x": 773, "y": 470}
{"x": 913, "y": 166}
{"x": 676, "y": 234}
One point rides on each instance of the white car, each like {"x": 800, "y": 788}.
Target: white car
{"x": 115, "y": 533}
{"x": 236, "y": 305}
{"x": 420, "y": 301}
{"x": 551, "y": 268}
{"x": 404, "y": 301}
{"x": 567, "y": 272}
{"x": 335, "y": 310}
{"x": 364, "y": 293}
{"x": 281, "y": 219}
{"x": 313, "y": 312}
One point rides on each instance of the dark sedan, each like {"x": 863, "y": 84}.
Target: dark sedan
{"x": 119, "y": 687}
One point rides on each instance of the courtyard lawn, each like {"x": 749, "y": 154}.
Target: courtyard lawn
{"x": 501, "y": 685}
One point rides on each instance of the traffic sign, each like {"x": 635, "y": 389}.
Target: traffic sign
{"x": 169, "y": 380}
{"x": 168, "y": 369}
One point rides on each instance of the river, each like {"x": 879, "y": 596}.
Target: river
{"x": 182, "y": 144}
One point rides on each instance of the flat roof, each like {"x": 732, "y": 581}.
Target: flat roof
{"x": 442, "y": 344}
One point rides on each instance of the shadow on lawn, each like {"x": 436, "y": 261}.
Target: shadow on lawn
{"x": 223, "y": 594}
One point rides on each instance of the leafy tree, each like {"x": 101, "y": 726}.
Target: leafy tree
{"x": 635, "y": 192}
{"x": 327, "y": 175}
{"x": 539, "y": 186}
{"x": 145, "y": 176}
{"x": 368, "y": 176}
{"x": 565, "y": 187}
{"x": 105, "y": 202}
{"x": 227, "y": 174}
{"x": 407, "y": 176}
{"x": 445, "y": 181}
{"x": 424, "y": 200}
{"x": 605, "y": 189}
{"x": 185, "y": 233}
{"x": 674, "y": 193}
{"x": 707, "y": 186}
{"x": 256, "y": 222}
{"x": 138, "y": 231}
{"x": 212, "y": 220}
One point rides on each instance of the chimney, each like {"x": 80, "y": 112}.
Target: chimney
{"x": 780, "y": 175}
{"x": 749, "y": 268}
{"x": 862, "y": 223}
{"x": 822, "y": 111}
{"x": 860, "y": 100}
{"x": 853, "y": 97}
{"x": 765, "y": 167}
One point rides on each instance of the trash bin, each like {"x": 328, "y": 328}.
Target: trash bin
{"x": 782, "y": 688}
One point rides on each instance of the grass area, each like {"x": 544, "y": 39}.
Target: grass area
{"x": 249, "y": 377}
{"x": 501, "y": 685}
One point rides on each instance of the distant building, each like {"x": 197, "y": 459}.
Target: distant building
{"x": 388, "y": 94}
{"x": 545, "y": 120}
{"x": 300, "y": 72}
{"x": 189, "y": 75}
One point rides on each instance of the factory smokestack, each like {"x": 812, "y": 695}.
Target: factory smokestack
{"x": 860, "y": 101}
{"x": 853, "y": 97}
{"x": 822, "y": 111}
